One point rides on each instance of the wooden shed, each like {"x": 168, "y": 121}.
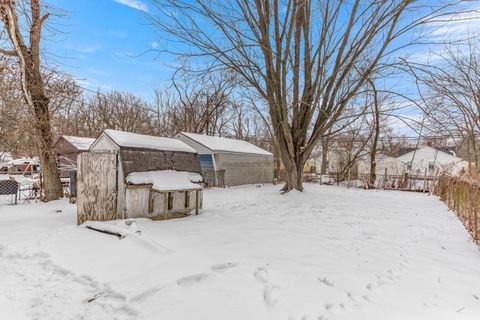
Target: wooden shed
{"x": 67, "y": 149}
{"x": 127, "y": 175}
{"x": 230, "y": 162}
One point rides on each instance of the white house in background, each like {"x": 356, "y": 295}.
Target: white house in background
{"x": 433, "y": 160}
{"x": 240, "y": 162}
{"x": 383, "y": 162}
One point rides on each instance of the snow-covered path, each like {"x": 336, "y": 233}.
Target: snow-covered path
{"x": 326, "y": 253}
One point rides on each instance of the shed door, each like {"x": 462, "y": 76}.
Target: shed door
{"x": 208, "y": 168}
{"x": 96, "y": 187}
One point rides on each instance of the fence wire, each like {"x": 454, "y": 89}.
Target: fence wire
{"x": 17, "y": 190}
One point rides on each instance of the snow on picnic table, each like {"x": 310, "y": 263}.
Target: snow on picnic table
{"x": 327, "y": 253}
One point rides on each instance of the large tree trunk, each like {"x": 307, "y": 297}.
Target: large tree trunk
{"x": 52, "y": 187}
{"x": 294, "y": 176}
{"x": 33, "y": 89}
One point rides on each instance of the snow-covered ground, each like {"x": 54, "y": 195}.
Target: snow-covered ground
{"x": 327, "y": 253}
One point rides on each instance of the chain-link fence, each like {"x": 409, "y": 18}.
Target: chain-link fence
{"x": 17, "y": 190}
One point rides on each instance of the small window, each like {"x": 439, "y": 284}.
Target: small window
{"x": 409, "y": 166}
{"x": 170, "y": 201}
{"x": 187, "y": 199}
{"x": 431, "y": 166}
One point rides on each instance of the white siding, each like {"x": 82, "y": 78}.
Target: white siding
{"x": 393, "y": 166}
{"x": 426, "y": 156}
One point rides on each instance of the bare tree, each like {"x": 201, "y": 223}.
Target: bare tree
{"x": 205, "y": 102}
{"x": 28, "y": 51}
{"x": 450, "y": 95}
{"x": 305, "y": 59}
{"x": 376, "y": 135}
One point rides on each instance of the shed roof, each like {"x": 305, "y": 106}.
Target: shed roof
{"x": 166, "y": 180}
{"x": 81, "y": 143}
{"x": 219, "y": 144}
{"x": 135, "y": 140}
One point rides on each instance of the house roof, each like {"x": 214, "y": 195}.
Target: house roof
{"x": 405, "y": 150}
{"x": 21, "y": 161}
{"x": 134, "y": 140}
{"x": 218, "y": 144}
{"x": 81, "y": 143}
{"x": 433, "y": 151}
{"x": 166, "y": 180}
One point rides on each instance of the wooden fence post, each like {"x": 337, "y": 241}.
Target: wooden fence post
{"x": 385, "y": 177}
{"x": 197, "y": 202}
{"x": 348, "y": 183}
{"x": 425, "y": 181}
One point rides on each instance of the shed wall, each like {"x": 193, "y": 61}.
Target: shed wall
{"x": 103, "y": 143}
{"x": 241, "y": 168}
{"x": 138, "y": 201}
{"x": 141, "y": 160}
{"x": 97, "y": 187}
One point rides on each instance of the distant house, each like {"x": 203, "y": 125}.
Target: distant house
{"x": 384, "y": 163}
{"x": 230, "y": 162}
{"x": 128, "y": 175}
{"x": 432, "y": 160}
{"x": 67, "y": 149}
{"x": 25, "y": 166}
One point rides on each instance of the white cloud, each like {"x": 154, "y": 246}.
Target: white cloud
{"x": 457, "y": 26}
{"x": 136, "y": 4}
{"x": 154, "y": 44}
{"x": 89, "y": 49}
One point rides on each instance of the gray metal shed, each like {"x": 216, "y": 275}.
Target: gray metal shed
{"x": 128, "y": 175}
{"x": 230, "y": 162}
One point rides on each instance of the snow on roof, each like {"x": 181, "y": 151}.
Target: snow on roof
{"x": 225, "y": 144}
{"x": 135, "y": 140}
{"x": 20, "y": 161}
{"x": 166, "y": 180}
{"x": 429, "y": 153}
{"x": 81, "y": 143}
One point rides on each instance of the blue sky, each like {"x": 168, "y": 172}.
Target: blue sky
{"x": 106, "y": 46}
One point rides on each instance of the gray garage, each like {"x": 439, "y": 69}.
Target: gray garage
{"x": 230, "y": 162}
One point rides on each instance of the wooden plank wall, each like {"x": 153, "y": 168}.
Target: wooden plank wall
{"x": 134, "y": 160}
{"x": 96, "y": 187}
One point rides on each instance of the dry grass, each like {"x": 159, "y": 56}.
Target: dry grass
{"x": 462, "y": 195}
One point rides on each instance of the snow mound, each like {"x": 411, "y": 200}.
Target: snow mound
{"x": 166, "y": 180}
{"x": 120, "y": 228}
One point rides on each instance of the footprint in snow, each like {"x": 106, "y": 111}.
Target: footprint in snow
{"x": 271, "y": 292}
{"x": 271, "y": 295}
{"x": 261, "y": 274}
{"x": 192, "y": 280}
{"x": 223, "y": 267}
{"x": 145, "y": 294}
